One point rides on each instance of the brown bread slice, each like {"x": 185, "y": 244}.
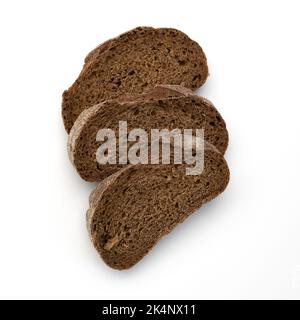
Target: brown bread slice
{"x": 133, "y": 209}
{"x": 164, "y": 107}
{"x": 137, "y": 59}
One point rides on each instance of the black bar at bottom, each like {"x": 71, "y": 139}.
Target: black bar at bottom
{"x": 151, "y": 309}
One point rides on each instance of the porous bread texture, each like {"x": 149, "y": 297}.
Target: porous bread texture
{"x": 164, "y": 107}
{"x": 131, "y": 210}
{"x": 136, "y": 60}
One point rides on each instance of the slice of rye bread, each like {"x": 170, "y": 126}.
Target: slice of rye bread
{"x": 131, "y": 210}
{"x": 137, "y": 59}
{"x": 164, "y": 107}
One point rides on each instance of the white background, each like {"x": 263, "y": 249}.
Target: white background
{"x": 245, "y": 244}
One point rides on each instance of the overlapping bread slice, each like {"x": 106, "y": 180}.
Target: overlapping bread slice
{"x": 164, "y": 107}
{"x": 138, "y": 59}
{"x": 131, "y": 210}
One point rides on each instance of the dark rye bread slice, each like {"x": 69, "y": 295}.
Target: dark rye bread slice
{"x": 164, "y": 107}
{"x": 138, "y": 59}
{"x": 133, "y": 209}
